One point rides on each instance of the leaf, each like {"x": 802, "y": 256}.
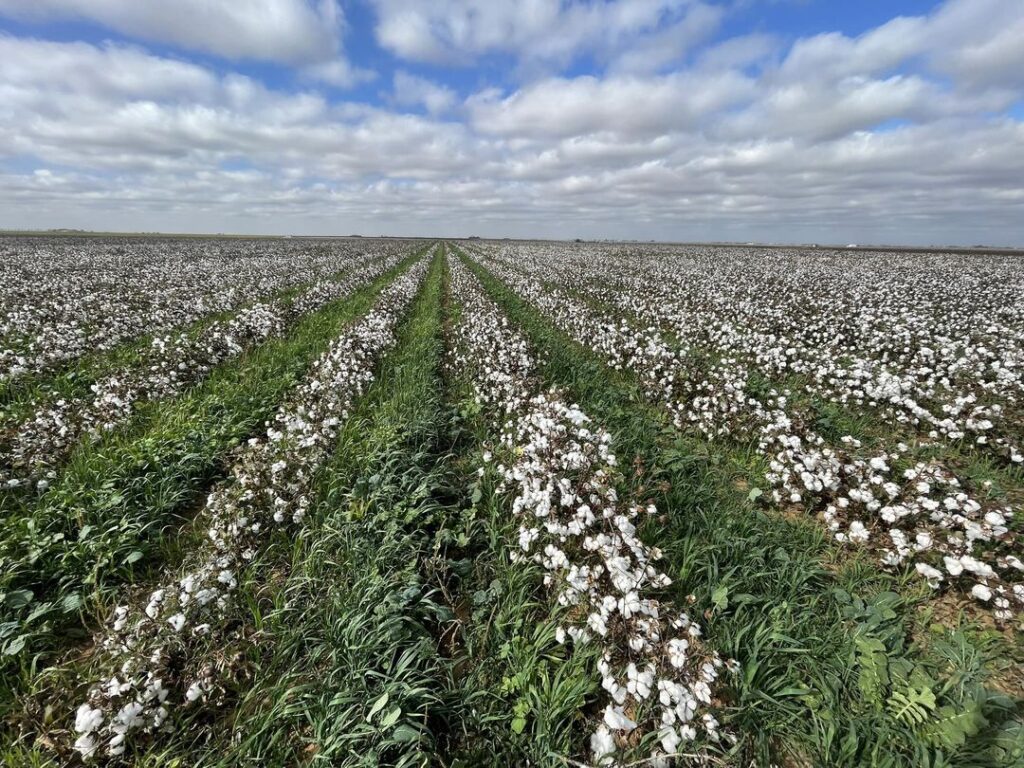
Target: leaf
{"x": 953, "y": 727}
{"x": 477, "y": 495}
{"x": 71, "y": 602}
{"x": 40, "y": 610}
{"x": 405, "y": 734}
{"x": 134, "y": 557}
{"x": 15, "y": 645}
{"x": 377, "y": 706}
{"x": 518, "y": 724}
{"x": 19, "y": 598}
{"x": 755, "y": 494}
{"x": 720, "y": 598}
{"x": 912, "y": 707}
{"x": 391, "y": 717}
{"x": 873, "y": 678}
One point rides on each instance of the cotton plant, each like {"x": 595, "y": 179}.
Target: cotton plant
{"x": 559, "y": 470}
{"x": 876, "y": 341}
{"x": 66, "y": 299}
{"x": 166, "y": 368}
{"x": 862, "y": 498}
{"x": 152, "y": 651}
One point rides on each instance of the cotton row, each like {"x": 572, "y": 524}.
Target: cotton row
{"x": 559, "y": 470}
{"x": 171, "y": 364}
{"x": 166, "y": 652}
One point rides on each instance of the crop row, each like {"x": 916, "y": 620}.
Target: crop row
{"x": 153, "y": 650}
{"x": 908, "y": 510}
{"x": 166, "y": 368}
{"x": 559, "y": 472}
{"x": 62, "y": 299}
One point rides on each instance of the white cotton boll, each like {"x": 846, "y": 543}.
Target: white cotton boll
{"x": 933, "y": 575}
{"x": 602, "y": 745}
{"x": 677, "y": 652}
{"x": 87, "y": 719}
{"x": 669, "y": 740}
{"x": 858, "y": 533}
{"x": 153, "y": 607}
{"x": 86, "y": 745}
{"x": 616, "y": 719}
{"x": 128, "y": 717}
{"x": 194, "y": 692}
{"x": 995, "y": 519}
{"x": 981, "y": 592}
{"x": 978, "y": 568}
{"x": 177, "y": 621}
{"x": 120, "y": 618}
{"x": 953, "y": 565}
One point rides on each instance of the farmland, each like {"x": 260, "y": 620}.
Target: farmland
{"x": 472, "y": 503}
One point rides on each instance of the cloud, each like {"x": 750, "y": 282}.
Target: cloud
{"x": 338, "y": 73}
{"x": 909, "y": 132}
{"x": 635, "y": 34}
{"x": 294, "y": 31}
{"x": 410, "y": 90}
{"x": 974, "y": 42}
{"x": 621, "y": 105}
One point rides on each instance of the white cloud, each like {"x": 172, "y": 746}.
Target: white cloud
{"x": 626, "y": 106}
{"x": 976, "y": 42}
{"x": 903, "y": 133}
{"x": 276, "y": 30}
{"x": 645, "y": 34}
{"x": 338, "y": 73}
{"x": 410, "y": 90}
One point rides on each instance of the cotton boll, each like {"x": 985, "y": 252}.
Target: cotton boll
{"x": 981, "y": 592}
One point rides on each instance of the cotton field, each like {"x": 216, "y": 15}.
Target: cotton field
{"x": 483, "y": 503}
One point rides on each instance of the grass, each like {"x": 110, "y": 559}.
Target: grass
{"x": 351, "y": 671}
{"x": 112, "y": 517}
{"x": 20, "y": 396}
{"x": 393, "y": 629}
{"x": 797, "y": 626}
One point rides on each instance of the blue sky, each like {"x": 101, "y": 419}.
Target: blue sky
{"x": 768, "y": 120}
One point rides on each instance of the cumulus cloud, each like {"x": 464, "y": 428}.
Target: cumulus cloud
{"x": 637, "y": 34}
{"x": 626, "y": 105}
{"x": 276, "y": 30}
{"x": 909, "y": 132}
{"x": 410, "y": 90}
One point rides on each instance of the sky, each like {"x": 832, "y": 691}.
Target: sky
{"x": 875, "y": 121}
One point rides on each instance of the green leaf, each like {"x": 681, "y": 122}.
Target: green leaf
{"x": 477, "y": 495}
{"x": 720, "y": 598}
{"x": 912, "y": 707}
{"x": 71, "y": 602}
{"x": 873, "y": 677}
{"x": 377, "y": 706}
{"x": 391, "y": 717}
{"x": 955, "y": 725}
{"x": 405, "y": 734}
{"x": 134, "y": 557}
{"x": 14, "y": 646}
{"x": 19, "y": 598}
{"x": 755, "y": 494}
{"x": 518, "y": 724}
